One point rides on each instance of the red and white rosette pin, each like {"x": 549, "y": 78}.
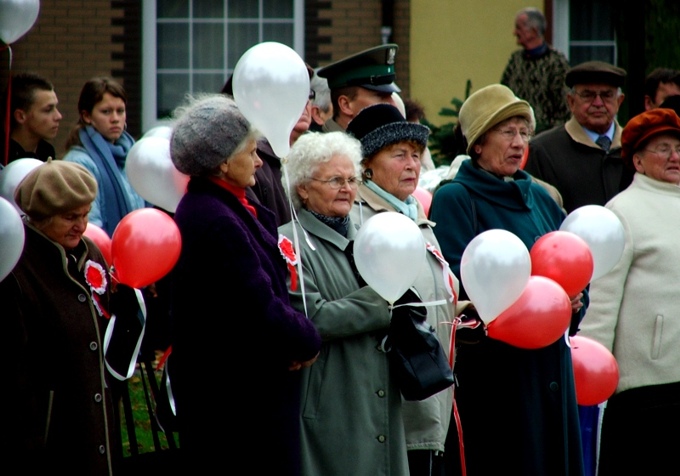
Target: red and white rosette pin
{"x": 448, "y": 275}
{"x": 95, "y": 276}
{"x": 288, "y": 252}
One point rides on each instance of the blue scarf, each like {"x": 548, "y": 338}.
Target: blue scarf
{"x": 110, "y": 160}
{"x": 408, "y": 207}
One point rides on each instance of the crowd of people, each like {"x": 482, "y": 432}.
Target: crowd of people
{"x": 266, "y": 307}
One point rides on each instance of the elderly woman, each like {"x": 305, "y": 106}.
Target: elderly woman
{"x": 60, "y": 417}
{"x": 634, "y": 311}
{"x": 392, "y": 151}
{"x": 234, "y": 328}
{"x": 524, "y": 398}
{"x": 351, "y": 411}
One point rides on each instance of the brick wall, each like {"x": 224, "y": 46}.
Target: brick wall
{"x": 71, "y": 41}
{"x": 345, "y": 27}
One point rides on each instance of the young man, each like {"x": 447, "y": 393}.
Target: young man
{"x": 34, "y": 118}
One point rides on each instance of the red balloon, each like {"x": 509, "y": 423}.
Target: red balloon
{"x": 565, "y": 258}
{"x": 145, "y": 246}
{"x": 525, "y": 156}
{"x": 596, "y": 373}
{"x": 424, "y": 197}
{"x": 101, "y": 239}
{"x": 539, "y": 317}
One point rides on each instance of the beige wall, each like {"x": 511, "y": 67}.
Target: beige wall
{"x": 456, "y": 40}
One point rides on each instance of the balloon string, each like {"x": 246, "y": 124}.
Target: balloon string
{"x": 9, "y": 108}
{"x": 296, "y": 240}
{"x": 421, "y": 304}
{"x": 456, "y": 415}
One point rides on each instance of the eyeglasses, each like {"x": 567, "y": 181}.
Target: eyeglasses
{"x": 509, "y": 134}
{"x": 665, "y": 151}
{"x": 312, "y": 95}
{"x": 589, "y": 96}
{"x": 336, "y": 183}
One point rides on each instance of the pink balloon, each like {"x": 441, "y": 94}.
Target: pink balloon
{"x": 596, "y": 372}
{"x": 145, "y": 246}
{"x": 538, "y": 318}
{"x": 424, "y": 197}
{"x": 565, "y": 258}
{"x": 101, "y": 239}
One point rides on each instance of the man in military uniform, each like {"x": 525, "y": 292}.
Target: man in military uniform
{"x": 360, "y": 80}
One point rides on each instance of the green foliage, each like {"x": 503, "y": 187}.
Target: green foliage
{"x": 142, "y": 422}
{"x": 443, "y": 144}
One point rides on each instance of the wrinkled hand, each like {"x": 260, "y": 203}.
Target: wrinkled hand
{"x": 296, "y": 365}
{"x": 471, "y": 329}
{"x": 577, "y": 303}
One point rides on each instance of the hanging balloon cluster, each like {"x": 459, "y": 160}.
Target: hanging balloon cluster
{"x": 16, "y": 18}
{"x": 524, "y": 297}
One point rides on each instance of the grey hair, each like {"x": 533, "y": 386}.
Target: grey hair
{"x": 310, "y": 151}
{"x": 535, "y": 19}
{"x": 323, "y": 93}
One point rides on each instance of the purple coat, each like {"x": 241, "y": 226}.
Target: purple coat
{"x": 234, "y": 336}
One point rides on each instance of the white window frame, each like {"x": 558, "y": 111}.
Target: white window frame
{"x": 561, "y": 22}
{"x": 149, "y": 55}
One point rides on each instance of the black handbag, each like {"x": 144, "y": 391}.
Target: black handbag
{"x": 417, "y": 358}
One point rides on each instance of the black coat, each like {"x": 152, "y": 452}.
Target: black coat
{"x": 54, "y": 377}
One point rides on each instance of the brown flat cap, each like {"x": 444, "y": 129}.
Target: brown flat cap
{"x": 641, "y": 128}
{"x": 55, "y": 187}
{"x": 596, "y": 72}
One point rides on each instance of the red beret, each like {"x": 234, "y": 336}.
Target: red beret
{"x": 644, "y": 126}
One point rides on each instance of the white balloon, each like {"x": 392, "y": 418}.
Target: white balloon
{"x": 16, "y": 18}
{"x": 12, "y": 238}
{"x": 604, "y": 233}
{"x": 494, "y": 269}
{"x": 12, "y": 175}
{"x": 389, "y": 251}
{"x": 271, "y": 89}
{"x": 153, "y": 175}
{"x": 159, "y": 131}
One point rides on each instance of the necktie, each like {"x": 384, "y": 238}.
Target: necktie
{"x": 604, "y": 142}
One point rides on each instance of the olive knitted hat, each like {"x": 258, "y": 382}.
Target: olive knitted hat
{"x": 207, "y": 134}
{"x": 489, "y": 106}
{"x": 55, "y": 187}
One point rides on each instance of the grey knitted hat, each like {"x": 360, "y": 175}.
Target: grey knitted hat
{"x": 380, "y": 125}
{"x": 207, "y": 134}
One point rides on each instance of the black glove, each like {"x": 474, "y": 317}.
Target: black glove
{"x": 417, "y": 313}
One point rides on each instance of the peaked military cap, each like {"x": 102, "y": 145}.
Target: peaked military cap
{"x": 371, "y": 69}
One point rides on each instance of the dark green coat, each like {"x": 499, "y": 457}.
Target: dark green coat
{"x": 518, "y": 407}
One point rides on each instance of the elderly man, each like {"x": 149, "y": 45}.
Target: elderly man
{"x": 360, "y": 80}
{"x": 536, "y": 72}
{"x": 582, "y": 158}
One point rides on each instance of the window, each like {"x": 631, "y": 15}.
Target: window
{"x": 584, "y": 30}
{"x": 192, "y": 46}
